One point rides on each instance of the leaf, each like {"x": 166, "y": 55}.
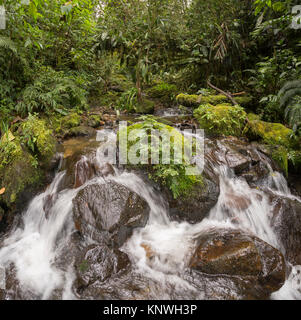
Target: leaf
{"x": 27, "y": 43}
{"x": 66, "y": 9}
{"x": 7, "y": 137}
{"x": 2, "y": 191}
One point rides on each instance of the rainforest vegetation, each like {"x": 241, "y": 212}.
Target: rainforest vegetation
{"x": 236, "y": 64}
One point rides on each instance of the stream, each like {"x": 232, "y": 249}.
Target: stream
{"x": 40, "y": 257}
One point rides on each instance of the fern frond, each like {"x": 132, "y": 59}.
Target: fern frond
{"x": 289, "y": 95}
{"x": 293, "y": 114}
{"x": 7, "y": 43}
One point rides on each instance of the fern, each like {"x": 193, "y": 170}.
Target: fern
{"x": 52, "y": 91}
{"x": 7, "y": 43}
{"x": 290, "y": 99}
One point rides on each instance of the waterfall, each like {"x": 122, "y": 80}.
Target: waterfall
{"x": 34, "y": 245}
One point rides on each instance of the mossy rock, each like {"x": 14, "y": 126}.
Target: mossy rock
{"x": 196, "y": 100}
{"x": 253, "y": 116}
{"x": 271, "y": 133}
{"x": 39, "y": 138}
{"x": 174, "y": 176}
{"x": 71, "y": 120}
{"x": 145, "y": 107}
{"x": 189, "y": 100}
{"x": 93, "y": 121}
{"x": 80, "y": 131}
{"x": 164, "y": 91}
{"x": 18, "y": 175}
{"x": 244, "y": 101}
{"x": 222, "y": 119}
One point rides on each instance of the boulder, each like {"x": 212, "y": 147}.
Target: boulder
{"x": 286, "y": 220}
{"x": 110, "y": 209}
{"x": 271, "y": 133}
{"x": 194, "y": 100}
{"x": 80, "y": 131}
{"x": 234, "y": 253}
{"x": 98, "y": 263}
{"x": 245, "y": 160}
{"x": 197, "y": 205}
{"x": 222, "y": 119}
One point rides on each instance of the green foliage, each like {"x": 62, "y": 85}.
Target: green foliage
{"x": 37, "y": 137}
{"x": 164, "y": 91}
{"x": 128, "y": 100}
{"x": 290, "y": 100}
{"x": 172, "y": 175}
{"x": 175, "y": 178}
{"x": 271, "y": 133}
{"x": 222, "y": 119}
{"x": 52, "y": 91}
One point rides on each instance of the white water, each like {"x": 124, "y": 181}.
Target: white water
{"x": 33, "y": 247}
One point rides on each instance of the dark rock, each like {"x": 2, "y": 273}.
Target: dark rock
{"x": 287, "y": 225}
{"x": 226, "y": 287}
{"x": 1, "y": 214}
{"x": 98, "y": 263}
{"x": 234, "y": 253}
{"x": 245, "y": 160}
{"x": 194, "y": 208}
{"x": 80, "y": 132}
{"x": 110, "y": 208}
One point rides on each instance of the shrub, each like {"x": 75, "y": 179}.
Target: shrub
{"x": 53, "y": 91}
{"x": 222, "y": 119}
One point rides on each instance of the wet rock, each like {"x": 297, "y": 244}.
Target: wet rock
{"x": 1, "y": 214}
{"x": 234, "y": 253}
{"x": 225, "y": 287}
{"x": 106, "y": 170}
{"x": 197, "y": 205}
{"x": 110, "y": 208}
{"x": 13, "y": 289}
{"x": 286, "y": 220}
{"x": 78, "y": 163}
{"x": 80, "y": 131}
{"x": 244, "y": 159}
{"x": 98, "y": 263}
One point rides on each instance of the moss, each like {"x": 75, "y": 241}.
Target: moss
{"x": 80, "y": 131}
{"x": 71, "y": 120}
{"x": 280, "y": 155}
{"x": 244, "y": 101}
{"x": 214, "y": 99}
{"x": 145, "y": 106}
{"x": 222, "y": 119}
{"x": 164, "y": 91}
{"x": 93, "y": 121}
{"x": 196, "y": 100}
{"x": 109, "y": 99}
{"x": 84, "y": 266}
{"x": 22, "y": 166}
{"x": 271, "y": 133}
{"x": 253, "y": 116}
{"x": 172, "y": 175}
{"x": 38, "y": 137}
{"x": 189, "y": 100}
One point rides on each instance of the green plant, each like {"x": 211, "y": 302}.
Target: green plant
{"x": 221, "y": 119}
{"x": 37, "y": 137}
{"x": 128, "y": 100}
{"x": 172, "y": 175}
{"x": 52, "y": 91}
{"x": 290, "y": 100}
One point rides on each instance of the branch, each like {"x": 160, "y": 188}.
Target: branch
{"x": 229, "y": 96}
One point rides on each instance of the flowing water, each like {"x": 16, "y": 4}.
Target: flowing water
{"x": 34, "y": 245}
